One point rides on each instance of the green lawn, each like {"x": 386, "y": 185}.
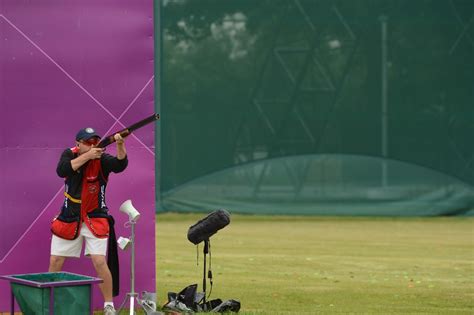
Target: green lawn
{"x": 326, "y": 265}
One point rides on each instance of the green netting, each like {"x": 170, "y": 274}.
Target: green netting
{"x": 329, "y": 185}
{"x": 381, "y": 89}
{"x": 71, "y": 299}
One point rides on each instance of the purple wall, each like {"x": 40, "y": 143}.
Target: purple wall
{"x": 65, "y": 65}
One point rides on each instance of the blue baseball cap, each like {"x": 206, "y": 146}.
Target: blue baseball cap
{"x": 86, "y": 134}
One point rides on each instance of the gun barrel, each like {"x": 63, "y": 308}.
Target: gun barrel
{"x": 127, "y": 131}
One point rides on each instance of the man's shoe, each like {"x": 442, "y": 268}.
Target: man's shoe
{"x": 109, "y": 310}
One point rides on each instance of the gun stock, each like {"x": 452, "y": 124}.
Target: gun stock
{"x": 127, "y": 131}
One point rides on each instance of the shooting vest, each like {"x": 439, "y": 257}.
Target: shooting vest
{"x": 88, "y": 206}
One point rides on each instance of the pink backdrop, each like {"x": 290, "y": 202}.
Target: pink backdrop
{"x": 66, "y": 65}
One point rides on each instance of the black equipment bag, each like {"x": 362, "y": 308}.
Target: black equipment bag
{"x": 189, "y": 300}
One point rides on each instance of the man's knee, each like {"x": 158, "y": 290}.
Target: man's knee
{"x": 99, "y": 262}
{"x": 56, "y": 263}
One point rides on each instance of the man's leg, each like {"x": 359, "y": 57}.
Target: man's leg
{"x": 61, "y": 249}
{"x": 103, "y": 272}
{"x": 96, "y": 249}
{"x": 56, "y": 263}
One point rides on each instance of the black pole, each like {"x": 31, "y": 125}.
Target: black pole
{"x": 205, "y": 252}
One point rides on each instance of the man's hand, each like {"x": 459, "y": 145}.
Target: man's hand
{"x": 94, "y": 153}
{"x": 118, "y": 138}
{"x": 121, "y": 151}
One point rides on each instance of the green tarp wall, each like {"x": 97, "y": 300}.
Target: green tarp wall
{"x": 316, "y": 107}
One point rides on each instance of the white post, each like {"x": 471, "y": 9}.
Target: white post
{"x": 132, "y": 272}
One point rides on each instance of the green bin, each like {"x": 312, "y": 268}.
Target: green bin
{"x": 60, "y": 293}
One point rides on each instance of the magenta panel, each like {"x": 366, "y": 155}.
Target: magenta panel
{"x": 65, "y": 65}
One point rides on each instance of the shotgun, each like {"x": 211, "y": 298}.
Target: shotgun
{"x": 127, "y": 131}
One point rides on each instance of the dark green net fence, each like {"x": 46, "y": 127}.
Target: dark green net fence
{"x": 317, "y": 107}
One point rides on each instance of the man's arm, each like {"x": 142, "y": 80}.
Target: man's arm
{"x": 121, "y": 150}
{"x": 93, "y": 153}
{"x": 117, "y": 163}
{"x": 68, "y": 164}
{"x": 64, "y": 168}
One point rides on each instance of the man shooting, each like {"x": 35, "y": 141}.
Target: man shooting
{"x": 84, "y": 213}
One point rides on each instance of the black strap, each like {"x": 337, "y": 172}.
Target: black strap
{"x": 112, "y": 257}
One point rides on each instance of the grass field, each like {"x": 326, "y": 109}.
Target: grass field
{"x": 326, "y": 265}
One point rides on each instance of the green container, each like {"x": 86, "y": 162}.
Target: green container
{"x": 52, "y": 293}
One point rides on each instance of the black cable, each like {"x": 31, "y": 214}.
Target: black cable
{"x": 197, "y": 255}
{"x": 209, "y": 273}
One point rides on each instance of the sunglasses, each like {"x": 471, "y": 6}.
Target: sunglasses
{"x": 91, "y": 141}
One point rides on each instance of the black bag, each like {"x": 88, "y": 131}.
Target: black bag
{"x": 189, "y": 300}
{"x": 227, "y": 306}
{"x": 184, "y": 301}
{"x": 209, "y": 305}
